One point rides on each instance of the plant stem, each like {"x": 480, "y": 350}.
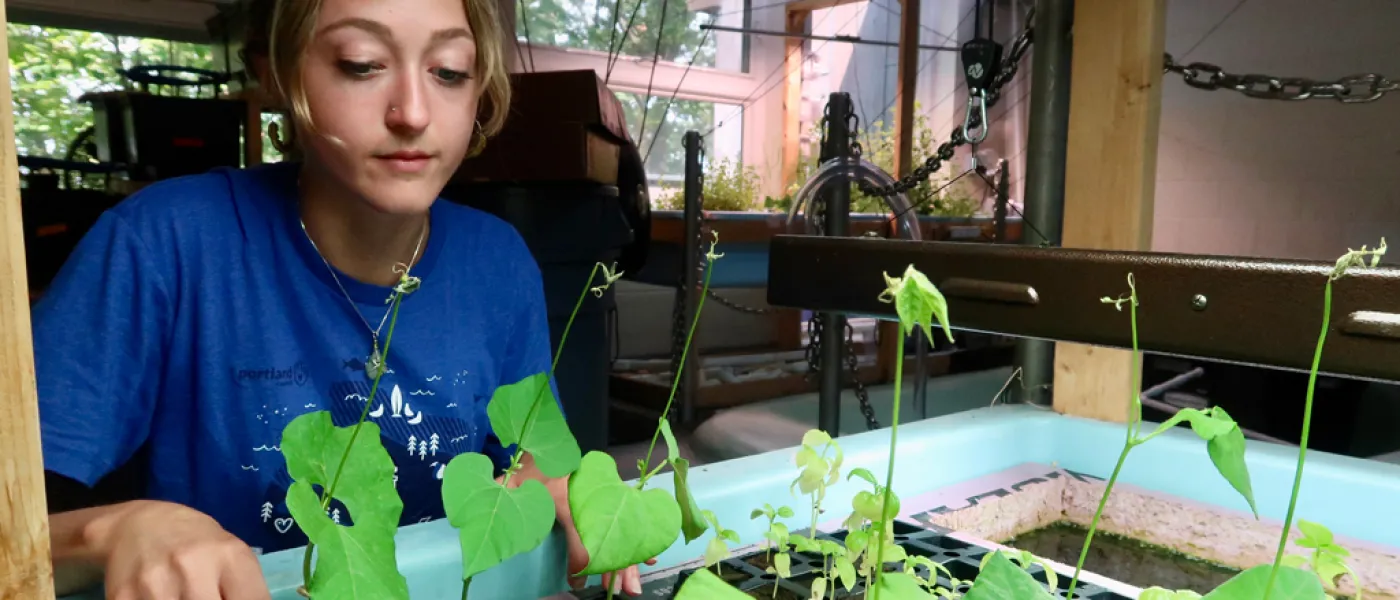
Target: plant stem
{"x": 1093, "y": 525}
{"x": 466, "y": 583}
{"x": 1134, "y": 424}
{"x": 685, "y": 351}
{"x": 1303, "y": 442}
{"x": 355, "y": 433}
{"x": 558, "y": 352}
{"x": 889, "y": 474}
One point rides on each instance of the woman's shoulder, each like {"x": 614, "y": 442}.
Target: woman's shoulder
{"x": 212, "y": 201}
{"x": 489, "y": 236}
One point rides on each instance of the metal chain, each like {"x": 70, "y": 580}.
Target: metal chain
{"x": 739, "y": 307}
{"x": 815, "y": 327}
{"x": 861, "y": 396}
{"x": 1367, "y": 87}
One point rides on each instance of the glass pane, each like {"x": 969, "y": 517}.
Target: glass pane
{"x": 721, "y": 125}
{"x": 598, "y": 25}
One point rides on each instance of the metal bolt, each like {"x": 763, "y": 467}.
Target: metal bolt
{"x": 1199, "y": 302}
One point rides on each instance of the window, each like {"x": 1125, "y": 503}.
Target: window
{"x": 661, "y": 144}
{"x": 594, "y": 26}
{"x": 50, "y": 68}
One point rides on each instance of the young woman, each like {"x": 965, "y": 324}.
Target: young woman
{"x": 203, "y": 314}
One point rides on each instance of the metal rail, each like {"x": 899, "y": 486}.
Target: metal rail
{"x": 1252, "y": 311}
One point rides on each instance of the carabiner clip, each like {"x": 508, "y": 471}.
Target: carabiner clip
{"x": 975, "y": 102}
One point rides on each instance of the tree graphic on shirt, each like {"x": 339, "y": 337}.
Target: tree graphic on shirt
{"x": 433, "y": 444}
{"x": 266, "y": 511}
{"x": 412, "y": 445}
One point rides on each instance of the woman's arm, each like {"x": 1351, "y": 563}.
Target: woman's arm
{"x": 76, "y": 540}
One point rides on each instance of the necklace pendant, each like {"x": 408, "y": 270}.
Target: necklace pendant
{"x": 374, "y": 367}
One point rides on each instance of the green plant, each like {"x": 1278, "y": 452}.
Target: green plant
{"x": 1224, "y": 440}
{"x": 1352, "y": 258}
{"x": 917, "y": 303}
{"x": 728, "y": 186}
{"x": 622, "y": 525}
{"x": 495, "y": 520}
{"x": 359, "y": 561}
{"x": 1327, "y": 559}
{"x": 717, "y": 550}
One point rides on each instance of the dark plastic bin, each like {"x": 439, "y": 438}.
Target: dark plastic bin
{"x": 569, "y": 228}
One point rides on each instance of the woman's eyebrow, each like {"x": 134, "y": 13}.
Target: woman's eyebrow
{"x": 382, "y": 31}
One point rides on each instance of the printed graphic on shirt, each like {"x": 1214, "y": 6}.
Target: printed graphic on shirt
{"x": 423, "y": 425}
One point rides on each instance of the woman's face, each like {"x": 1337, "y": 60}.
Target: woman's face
{"x": 394, "y": 81}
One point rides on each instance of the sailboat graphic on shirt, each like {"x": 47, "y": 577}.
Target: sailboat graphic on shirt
{"x": 400, "y": 408}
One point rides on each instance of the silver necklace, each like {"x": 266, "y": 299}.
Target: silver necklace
{"x": 374, "y": 365}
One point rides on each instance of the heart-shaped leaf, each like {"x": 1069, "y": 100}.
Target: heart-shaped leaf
{"x": 1314, "y": 535}
{"x": 619, "y": 525}
{"x": 493, "y": 523}
{"x": 918, "y": 303}
{"x": 1001, "y": 579}
{"x": 525, "y": 413}
{"x": 703, "y": 584}
{"x": 1291, "y": 584}
{"x": 356, "y": 561}
{"x": 352, "y": 563}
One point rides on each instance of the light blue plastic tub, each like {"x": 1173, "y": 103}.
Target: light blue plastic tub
{"x": 1351, "y": 496}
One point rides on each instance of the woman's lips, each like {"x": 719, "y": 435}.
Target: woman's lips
{"x": 406, "y": 161}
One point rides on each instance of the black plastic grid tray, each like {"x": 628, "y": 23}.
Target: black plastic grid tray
{"x": 963, "y": 560}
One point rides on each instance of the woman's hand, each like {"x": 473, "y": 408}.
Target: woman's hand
{"x": 158, "y": 550}
{"x": 627, "y": 581}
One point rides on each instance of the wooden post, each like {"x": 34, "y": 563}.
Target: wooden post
{"x": 26, "y": 569}
{"x": 796, "y": 22}
{"x": 1110, "y": 174}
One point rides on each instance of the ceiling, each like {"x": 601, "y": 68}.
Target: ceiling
{"x": 181, "y": 20}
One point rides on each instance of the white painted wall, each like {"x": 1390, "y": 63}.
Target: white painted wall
{"x": 1303, "y": 180}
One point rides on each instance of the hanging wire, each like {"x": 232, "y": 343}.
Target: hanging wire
{"x": 746, "y": 100}
{"x": 655, "y": 136}
{"x": 614, "y": 53}
{"x": 529, "y": 45}
{"x": 750, "y": 98}
{"x": 655, "y": 59}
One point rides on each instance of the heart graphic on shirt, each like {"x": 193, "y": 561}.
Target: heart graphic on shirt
{"x": 283, "y": 525}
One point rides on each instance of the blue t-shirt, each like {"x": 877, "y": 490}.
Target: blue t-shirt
{"x": 198, "y": 319}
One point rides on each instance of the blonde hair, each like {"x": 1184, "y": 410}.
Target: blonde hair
{"x": 280, "y": 30}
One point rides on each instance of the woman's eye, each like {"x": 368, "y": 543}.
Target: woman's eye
{"x": 450, "y": 76}
{"x": 357, "y": 69}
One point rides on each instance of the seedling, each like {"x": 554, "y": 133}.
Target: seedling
{"x": 1352, "y": 258}
{"x": 1224, "y": 440}
{"x": 494, "y": 519}
{"x": 717, "y": 550}
{"x": 779, "y": 562}
{"x": 622, "y": 525}
{"x": 359, "y": 561}
{"x": 1327, "y": 559}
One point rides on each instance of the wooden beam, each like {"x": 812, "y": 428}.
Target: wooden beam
{"x": 796, "y": 22}
{"x": 1110, "y": 174}
{"x": 26, "y": 569}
